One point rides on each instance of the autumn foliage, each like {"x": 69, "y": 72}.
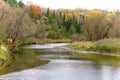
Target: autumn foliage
{"x": 36, "y": 10}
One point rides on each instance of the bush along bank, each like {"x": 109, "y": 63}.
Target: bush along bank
{"x": 4, "y": 55}
{"x": 108, "y": 46}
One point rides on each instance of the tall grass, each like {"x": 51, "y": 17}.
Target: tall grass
{"x": 112, "y": 46}
{"x": 84, "y": 45}
{"x": 106, "y": 45}
{"x": 4, "y": 55}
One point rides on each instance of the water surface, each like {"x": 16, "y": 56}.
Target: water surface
{"x": 67, "y": 65}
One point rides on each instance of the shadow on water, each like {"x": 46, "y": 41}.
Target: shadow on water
{"x": 97, "y": 59}
{"x": 62, "y": 65}
{"x": 113, "y": 61}
{"x": 25, "y": 59}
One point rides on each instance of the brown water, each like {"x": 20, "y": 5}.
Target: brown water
{"x": 67, "y": 65}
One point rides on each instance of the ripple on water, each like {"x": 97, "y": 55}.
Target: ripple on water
{"x": 46, "y": 46}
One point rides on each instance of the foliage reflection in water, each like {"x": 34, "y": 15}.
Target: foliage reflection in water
{"x": 64, "y": 66}
{"x": 25, "y": 59}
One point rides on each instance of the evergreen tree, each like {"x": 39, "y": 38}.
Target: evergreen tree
{"x": 48, "y": 12}
{"x": 20, "y": 3}
{"x": 68, "y": 24}
{"x": 72, "y": 30}
{"x": 14, "y": 3}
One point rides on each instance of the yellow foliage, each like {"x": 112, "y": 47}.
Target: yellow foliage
{"x": 97, "y": 13}
{"x": 3, "y": 53}
{"x": 3, "y": 48}
{"x": 111, "y": 14}
{"x": 88, "y": 15}
{"x": 94, "y": 13}
{"x": 9, "y": 42}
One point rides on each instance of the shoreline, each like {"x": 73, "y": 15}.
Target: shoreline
{"x": 95, "y": 52}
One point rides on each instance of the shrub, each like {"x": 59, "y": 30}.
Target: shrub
{"x": 77, "y": 37}
{"x": 4, "y": 55}
{"x": 30, "y": 40}
{"x": 83, "y": 45}
{"x": 108, "y": 46}
{"x": 52, "y": 34}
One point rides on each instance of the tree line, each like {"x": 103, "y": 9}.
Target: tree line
{"x": 28, "y": 23}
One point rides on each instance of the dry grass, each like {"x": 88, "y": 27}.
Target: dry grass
{"x": 82, "y": 45}
{"x": 106, "y": 45}
{"x": 57, "y": 40}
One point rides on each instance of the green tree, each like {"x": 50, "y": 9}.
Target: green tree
{"x": 72, "y": 30}
{"x": 14, "y": 3}
{"x": 48, "y": 12}
{"x": 68, "y": 24}
{"x": 63, "y": 32}
{"x": 20, "y": 3}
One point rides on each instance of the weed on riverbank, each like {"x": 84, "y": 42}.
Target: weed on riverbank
{"x": 111, "y": 46}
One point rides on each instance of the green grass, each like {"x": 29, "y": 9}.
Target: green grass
{"x": 3, "y": 52}
{"x": 109, "y": 45}
{"x": 106, "y": 45}
{"x": 84, "y": 45}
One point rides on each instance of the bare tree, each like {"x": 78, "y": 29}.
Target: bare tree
{"x": 16, "y": 23}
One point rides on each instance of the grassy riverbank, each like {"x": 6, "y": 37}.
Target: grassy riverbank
{"x": 14, "y": 59}
{"x": 22, "y": 60}
{"x": 110, "y": 46}
{"x": 4, "y": 55}
{"x": 100, "y": 59}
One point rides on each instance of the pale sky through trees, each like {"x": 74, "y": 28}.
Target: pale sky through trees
{"x": 72, "y": 4}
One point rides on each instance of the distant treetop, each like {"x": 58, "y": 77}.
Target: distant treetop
{"x": 15, "y": 3}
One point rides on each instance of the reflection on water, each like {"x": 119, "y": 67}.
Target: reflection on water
{"x": 25, "y": 59}
{"x": 70, "y": 66}
{"x": 45, "y": 46}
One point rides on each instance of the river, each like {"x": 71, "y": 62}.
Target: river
{"x": 65, "y": 65}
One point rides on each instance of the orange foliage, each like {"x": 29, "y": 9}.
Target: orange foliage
{"x": 36, "y": 10}
{"x": 70, "y": 14}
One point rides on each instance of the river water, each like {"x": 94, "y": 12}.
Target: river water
{"x": 64, "y": 64}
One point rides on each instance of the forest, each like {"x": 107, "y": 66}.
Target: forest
{"x": 23, "y": 24}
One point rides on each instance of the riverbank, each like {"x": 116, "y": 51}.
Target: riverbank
{"x": 107, "y": 46}
{"x": 20, "y": 60}
{"x": 4, "y": 55}
{"x": 63, "y": 62}
{"x": 24, "y": 59}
